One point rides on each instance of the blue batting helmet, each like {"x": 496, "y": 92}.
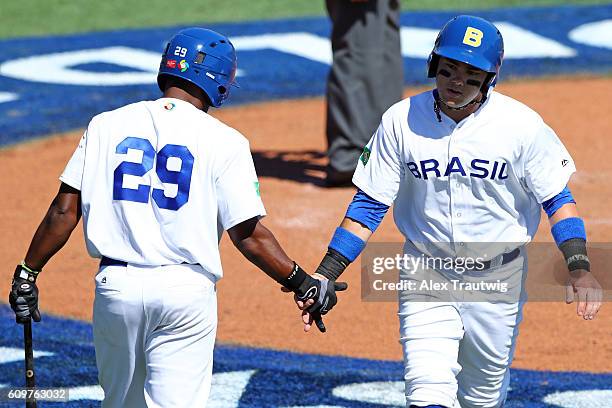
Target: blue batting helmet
{"x": 471, "y": 40}
{"x": 203, "y": 57}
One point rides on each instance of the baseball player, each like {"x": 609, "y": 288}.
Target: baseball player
{"x": 464, "y": 164}
{"x": 157, "y": 182}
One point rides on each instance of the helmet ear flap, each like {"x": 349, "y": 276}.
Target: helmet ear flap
{"x": 491, "y": 79}
{"x": 432, "y": 65}
{"x": 488, "y": 83}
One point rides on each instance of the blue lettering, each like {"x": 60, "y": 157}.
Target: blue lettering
{"x": 182, "y": 177}
{"x": 479, "y": 168}
{"x": 141, "y": 194}
{"x": 433, "y": 168}
{"x": 501, "y": 172}
{"x": 475, "y": 165}
{"x": 414, "y": 169}
{"x": 495, "y": 164}
{"x": 451, "y": 167}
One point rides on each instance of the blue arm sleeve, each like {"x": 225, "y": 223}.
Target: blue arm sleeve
{"x": 564, "y": 197}
{"x": 366, "y": 210}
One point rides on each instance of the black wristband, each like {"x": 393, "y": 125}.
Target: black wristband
{"x": 575, "y": 254}
{"x": 22, "y": 271}
{"x": 332, "y": 265}
{"x": 295, "y": 278}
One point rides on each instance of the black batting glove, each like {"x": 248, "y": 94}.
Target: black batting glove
{"x": 305, "y": 287}
{"x": 23, "y": 296}
{"x": 322, "y": 291}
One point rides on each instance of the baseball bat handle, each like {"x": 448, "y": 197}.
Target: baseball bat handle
{"x": 29, "y": 360}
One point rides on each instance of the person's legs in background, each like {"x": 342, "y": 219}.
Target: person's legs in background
{"x": 365, "y": 79}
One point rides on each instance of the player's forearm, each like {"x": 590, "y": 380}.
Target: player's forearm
{"x": 263, "y": 250}
{"x": 567, "y": 211}
{"x": 51, "y": 235}
{"x": 357, "y": 229}
{"x": 568, "y": 230}
{"x": 348, "y": 241}
{"x": 363, "y": 216}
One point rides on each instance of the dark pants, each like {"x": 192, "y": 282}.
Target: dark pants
{"x": 366, "y": 76}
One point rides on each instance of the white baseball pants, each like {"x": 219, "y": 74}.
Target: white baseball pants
{"x": 154, "y": 334}
{"x": 457, "y": 353}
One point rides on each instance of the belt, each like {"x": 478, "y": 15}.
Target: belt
{"x": 505, "y": 258}
{"x": 111, "y": 262}
{"x": 491, "y": 263}
{"x": 105, "y": 261}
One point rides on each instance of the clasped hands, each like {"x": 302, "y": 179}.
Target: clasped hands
{"x": 315, "y": 298}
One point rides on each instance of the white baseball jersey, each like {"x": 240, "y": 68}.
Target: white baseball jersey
{"x": 160, "y": 181}
{"x": 480, "y": 180}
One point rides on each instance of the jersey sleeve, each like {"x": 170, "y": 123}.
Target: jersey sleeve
{"x": 378, "y": 172}
{"x": 548, "y": 165}
{"x": 73, "y": 173}
{"x": 238, "y": 197}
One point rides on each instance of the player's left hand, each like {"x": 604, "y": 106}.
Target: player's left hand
{"x": 583, "y": 285}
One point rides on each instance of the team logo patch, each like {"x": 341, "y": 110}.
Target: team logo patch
{"x": 365, "y": 156}
{"x": 171, "y": 64}
{"x": 183, "y": 65}
{"x": 169, "y": 106}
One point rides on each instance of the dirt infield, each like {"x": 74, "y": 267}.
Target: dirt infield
{"x": 287, "y": 139}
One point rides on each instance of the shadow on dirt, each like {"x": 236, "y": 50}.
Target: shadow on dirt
{"x": 307, "y": 166}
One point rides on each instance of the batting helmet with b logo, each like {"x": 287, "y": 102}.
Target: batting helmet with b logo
{"x": 202, "y": 57}
{"x": 471, "y": 40}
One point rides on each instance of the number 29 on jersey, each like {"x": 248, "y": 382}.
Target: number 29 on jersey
{"x": 181, "y": 177}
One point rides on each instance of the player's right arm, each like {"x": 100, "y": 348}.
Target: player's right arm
{"x": 377, "y": 177}
{"x": 53, "y": 232}
{"x": 56, "y": 227}
{"x": 239, "y": 211}
{"x": 259, "y": 246}
{"x": 363, "y": 216}
{"x": 356, "y": 228}
{"x": 61, "y": 219}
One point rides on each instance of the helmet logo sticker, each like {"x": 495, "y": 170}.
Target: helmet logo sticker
{"x": 171, "y": 63}
{"x": 473, "y": 37}
{"x": 183, "y": 65}
{"x": 169, "y": 106}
